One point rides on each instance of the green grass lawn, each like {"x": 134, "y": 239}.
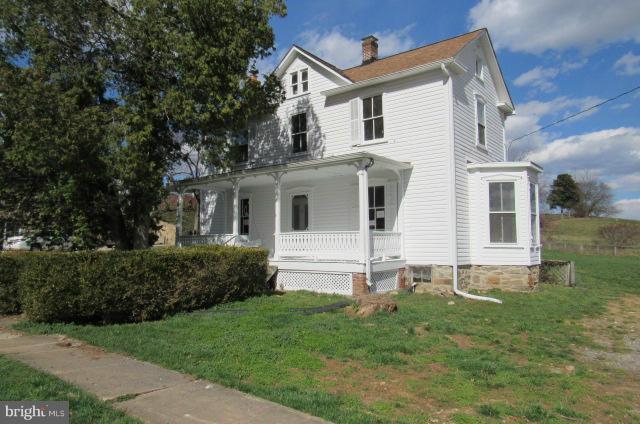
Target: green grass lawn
{"x": 20, "y": 382}
{"x": 467, "y": 362}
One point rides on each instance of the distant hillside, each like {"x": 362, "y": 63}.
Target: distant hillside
{"x": 576, "y": 230}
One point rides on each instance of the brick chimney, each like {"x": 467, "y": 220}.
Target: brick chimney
{"x": 369, "y": 49}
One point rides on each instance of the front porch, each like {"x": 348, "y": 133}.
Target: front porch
{"x": 339, "y": 215}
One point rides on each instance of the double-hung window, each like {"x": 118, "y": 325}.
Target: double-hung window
{"x": 372, "y": 118}
{"x": 481, "y": 123}
{"x": 299, "y": 132}
{"x": 299, "y": 82}
{"x": 502, "y": 212}
{"x": 533, "y": 205}
{"x": 244, "y": 216}
{"x": 376, "y": 208}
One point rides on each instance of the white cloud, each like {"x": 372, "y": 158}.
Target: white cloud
{"x": 629, "y": 208}
{"x": 538, "y": 77}
{"x": 629, "y": 64}
{"x": 621, "y": 106}
{"x": 541, "y": 78}
{"x": 532, "y": 115}
{"x": 344, "y": 51}
{"x": 612, "y": 155}
{"x": 541, "y": 25}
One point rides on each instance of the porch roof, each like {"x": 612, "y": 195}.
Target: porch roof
{"x": 346, "y": 159}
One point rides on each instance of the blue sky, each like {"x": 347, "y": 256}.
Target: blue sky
{"x": 558, "y": 56}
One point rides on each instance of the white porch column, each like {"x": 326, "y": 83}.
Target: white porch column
{"x": 179, "y": 213}
{"x": 363, "y": 206}
{"x": 277, "y": 178}
{"x": 236, "y": 211}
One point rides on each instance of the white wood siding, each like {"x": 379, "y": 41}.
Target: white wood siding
{"x": 466, "y": 88}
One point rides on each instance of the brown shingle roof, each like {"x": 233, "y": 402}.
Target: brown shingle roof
{"x": 412, "y": 58}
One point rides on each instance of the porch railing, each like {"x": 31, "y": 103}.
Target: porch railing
{"x": 386, "y": 244}
{"x": 206, "y": 239}
{"x": 314, "y": 245}
{"x": 339, "y": 245}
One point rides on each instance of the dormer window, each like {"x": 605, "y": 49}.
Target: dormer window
{"x": 479, "y": 66}
{"x": 299, "y": 82}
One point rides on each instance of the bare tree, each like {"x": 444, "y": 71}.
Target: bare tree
{"x": 596, "y": 198}
{"x": 621, "y": 234}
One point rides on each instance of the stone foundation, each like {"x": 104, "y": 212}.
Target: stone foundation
{"x": 518, "y": 278}
{"x": 515, "y": 278}
{"x": 359, "y": 284}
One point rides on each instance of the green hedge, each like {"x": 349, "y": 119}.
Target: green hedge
{"x": 139, "y": 285}
{"x": 10, "y": 265}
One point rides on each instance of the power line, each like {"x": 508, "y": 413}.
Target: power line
{"x": 574, "y": 115}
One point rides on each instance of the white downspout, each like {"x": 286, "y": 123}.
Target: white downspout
{"x": 454, "y": 220}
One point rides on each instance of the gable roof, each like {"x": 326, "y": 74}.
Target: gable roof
{"x": 433, "y": 55}
{"x": 441, "y": 50}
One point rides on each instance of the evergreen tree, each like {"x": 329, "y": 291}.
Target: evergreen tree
{"x": 564, "y": 194}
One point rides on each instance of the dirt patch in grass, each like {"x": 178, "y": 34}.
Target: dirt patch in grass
{"x": 616, "y": 360}
{"x": 384, "y": 384}
{"x": 617, "y": 332}
{"x": 463, "y": 341}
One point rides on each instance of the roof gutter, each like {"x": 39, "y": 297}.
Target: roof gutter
{"x": 450, "y": 63}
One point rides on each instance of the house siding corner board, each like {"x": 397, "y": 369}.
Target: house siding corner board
{"x": 466, "y": 88}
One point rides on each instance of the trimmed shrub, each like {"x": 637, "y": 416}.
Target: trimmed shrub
{"x": 10, "y": 265}
{"x": 139, "y": 285}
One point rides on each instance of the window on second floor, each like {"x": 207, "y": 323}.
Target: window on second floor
{"x": 372, "y": 118}
{"x": 299, "y": 82}
{"x": 502, "y": 212}
{"x": 481, "y": 123}
{"x": 299, "y": 132}
{"x": 241, "y": 146}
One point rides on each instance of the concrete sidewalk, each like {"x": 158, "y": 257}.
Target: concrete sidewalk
{"x": 143, "y": 390}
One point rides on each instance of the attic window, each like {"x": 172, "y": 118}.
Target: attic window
{"x": 299, "y": 82}
{"x": 479, "y": 66}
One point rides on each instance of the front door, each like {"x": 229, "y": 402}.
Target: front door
{"x": 244, "y": 216}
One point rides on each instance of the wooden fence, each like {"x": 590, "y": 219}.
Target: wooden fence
{"x": 593, "y": 249}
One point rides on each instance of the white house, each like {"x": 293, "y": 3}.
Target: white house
{"x": 381, "y": 175}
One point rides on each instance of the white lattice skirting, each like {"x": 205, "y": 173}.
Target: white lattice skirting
{"x": 384, "y": 281}
{"x": 320, "y": 282}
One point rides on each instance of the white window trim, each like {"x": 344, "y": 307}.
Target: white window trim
{"x": 516, "y": 194}
{"x": 297, "y": 192}
{"x": 536, "y": 242}
{"x": 382, "y": 140}
{"x": 301, "y": 92}
{"x": 479, "y": 98}
{"x": 291, "y": 115}
{"x": 379, "y": 183}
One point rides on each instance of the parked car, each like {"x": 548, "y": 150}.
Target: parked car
{"x": 23, "y": 243}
